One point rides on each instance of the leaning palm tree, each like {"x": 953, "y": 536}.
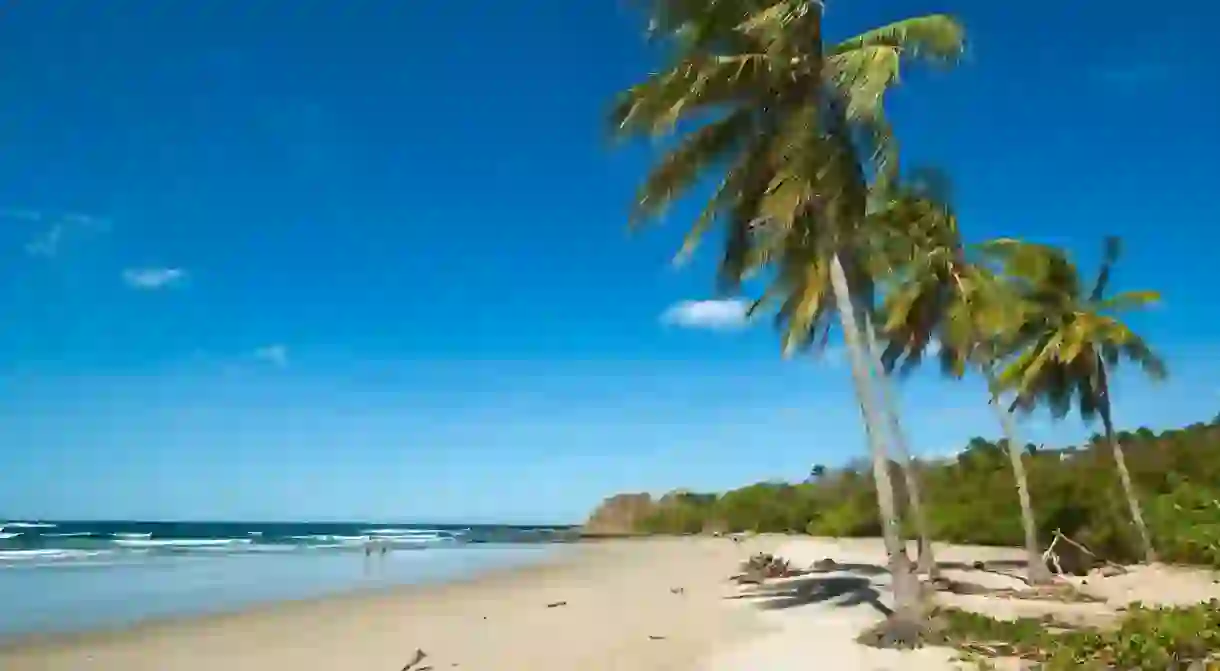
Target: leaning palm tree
{"x": 938, "y": 295}
{"x": 802, "y": 289}
{"x": 788, "y": 122}
{"x": 1068, "y": 343}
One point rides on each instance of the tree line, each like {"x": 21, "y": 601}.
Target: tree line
{"x": 971, "y": 498}
{"x": 788, "y": 131}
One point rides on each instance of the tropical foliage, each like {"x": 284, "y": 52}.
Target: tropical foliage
{"x": 970, "y": 498}
{"x": 1143, "y": 638}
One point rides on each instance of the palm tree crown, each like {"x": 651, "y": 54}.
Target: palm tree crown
{"x": 778, "y": 117}
{"x": 1069, "y": 340}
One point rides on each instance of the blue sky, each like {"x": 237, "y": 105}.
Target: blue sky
{"x": 322, "y": 260}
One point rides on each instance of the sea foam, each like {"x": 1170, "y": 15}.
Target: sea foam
{"x": 178, "y": 542}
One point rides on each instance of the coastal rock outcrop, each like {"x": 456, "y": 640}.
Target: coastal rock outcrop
{"x": 619, "y": 514}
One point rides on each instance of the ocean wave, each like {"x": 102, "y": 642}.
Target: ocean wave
{"x": 179, "y": 542}
{"x": 47, "y": 554}
{"x": 415, "y": 540}
{"x": 328, "y": 546}
{"x": 270, "y": 547}
{"x": 128, "y": 535}
{"x": 73, "y": 534}
{"x": 28, "y": 525}
{"x": 5, "y": 534}
{"x": 331, "y": 538}
{"x": 391, "y": 531}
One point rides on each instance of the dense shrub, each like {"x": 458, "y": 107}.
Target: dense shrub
{"x": 972, "y": 498}
{"x": 1152, "y": 639}
{"x": 1186, "y": 522}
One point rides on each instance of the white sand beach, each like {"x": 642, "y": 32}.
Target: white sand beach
{"x": 638, "y": 605}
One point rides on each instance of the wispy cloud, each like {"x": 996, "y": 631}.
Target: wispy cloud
{"x": 148, "y": 279}
{"x": 722, "y": 314}
{"x": 56, "y": 228}
{"x": 276, "y": 355}
{"x": 47, "y": 243}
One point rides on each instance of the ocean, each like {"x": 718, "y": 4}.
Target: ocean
{"x": 63, "y": 576}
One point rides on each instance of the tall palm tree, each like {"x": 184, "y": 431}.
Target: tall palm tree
{"x": 798, "y": 131}
{"x": 802, "y": 287}
{"x": 926, "y": 562}
{"x": 1069, "y": 342}
{"x": 937, "y": 294}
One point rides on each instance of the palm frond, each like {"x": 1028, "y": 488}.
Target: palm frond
{"x": 1129, "y": 300}
{"x": 934, "y": 38}
{"x": 701, "y": 84}
{"x": 862, "y": 77}
{"x": 1112, "y": 247}
{"x": 1138, "y": 351}
{"x": 677, "y": 171}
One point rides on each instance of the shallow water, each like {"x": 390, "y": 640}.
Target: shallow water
{"x": 104, "y": 593}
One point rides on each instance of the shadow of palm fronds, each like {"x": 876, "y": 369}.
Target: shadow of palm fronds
{"x": 845, "y": 590}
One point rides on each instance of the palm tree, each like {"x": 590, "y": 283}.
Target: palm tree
{"x": 937, "y": 294}
{"x": 926, "y": 562}
{"x": 802, "y": 287}
{"x": 798, "y": 130}
{"x": 1069, "y": 342}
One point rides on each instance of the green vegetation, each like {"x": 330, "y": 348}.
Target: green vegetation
{"x": 971, "y": 499}
{"x": 1144, "y": 638}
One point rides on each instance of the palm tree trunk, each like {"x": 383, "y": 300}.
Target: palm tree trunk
{"x": 1036, "y": 570}
{"x": 1124, "y": 475}
{"x": 926, "y": 561}
{"x": 907, "y": 601}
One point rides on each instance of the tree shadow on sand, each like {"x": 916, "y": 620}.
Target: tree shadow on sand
{"x": 844, "y": 590}
{"x": 828, "y": 566}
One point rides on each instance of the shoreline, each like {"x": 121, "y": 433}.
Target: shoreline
{"x": 562, "y": 554}
{"x": 659, "y": 604}
{"x": 567, "y": 609}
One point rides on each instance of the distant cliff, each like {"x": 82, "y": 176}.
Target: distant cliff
{"x": 619, "y": 514}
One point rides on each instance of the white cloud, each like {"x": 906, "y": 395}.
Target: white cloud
{"x": 711, "y": 314}
{"x": 153, "y": 278}
{"x": 46, "y": 244}
{"x": 58, "y": 228}
{"x": 276, "y": 355}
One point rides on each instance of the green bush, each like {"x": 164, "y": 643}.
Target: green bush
{"x": 1185, "y": 523}
{"x": 972, "y": 498}
{"x": 1152, "y": 639}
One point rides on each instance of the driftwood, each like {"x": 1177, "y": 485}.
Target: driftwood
{"x": 1055, "y": 563}
{"x": 762, "y": 566}
{"x": 418, "y": 659}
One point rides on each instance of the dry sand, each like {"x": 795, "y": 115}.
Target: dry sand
{"x": 817, "y": 617}
{"x": 619, "y": 612}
